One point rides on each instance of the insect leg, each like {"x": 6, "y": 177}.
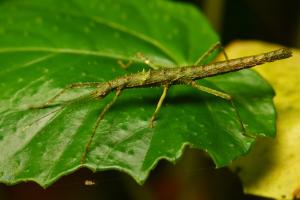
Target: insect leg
{"x": 223, "y": 96}
{"x": 124, "y": 65}
{"x": 159, "y": 104}
{"x": 147, "y": 61}
{"x": 100, "y": 117}
{"x": 218, "y": 45}
{"x": 71, "y": 86}
{"x": 40, "y": 118}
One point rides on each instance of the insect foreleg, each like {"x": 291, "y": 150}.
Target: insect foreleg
{"x": 124, "y": 65}
{"x": 159, "y": 104}
{"x": 71, "y": 86}
{"x": 223, "y": 96}
{"x": 100, "y": 117}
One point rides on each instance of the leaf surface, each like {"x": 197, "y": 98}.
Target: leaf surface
{"x": 44, "y": 46}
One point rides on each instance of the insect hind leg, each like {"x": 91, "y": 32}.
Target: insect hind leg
{"x": 221, "y": 95}
{"x": 68, "y": 87}
{"x": 216, "y": 46}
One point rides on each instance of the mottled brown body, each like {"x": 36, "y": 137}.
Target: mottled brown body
{"x": 179, "y": 75}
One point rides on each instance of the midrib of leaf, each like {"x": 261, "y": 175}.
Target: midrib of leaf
{"x": 102, "y": 21}
{"x": 66, "y": 51}
{"x": 56, "y": 51}
{"x": 29, "y": 63}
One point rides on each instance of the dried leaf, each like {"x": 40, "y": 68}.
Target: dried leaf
{"x": 272, "y": 169}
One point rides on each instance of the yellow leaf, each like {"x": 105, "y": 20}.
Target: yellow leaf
{"x": 272, "y": 169}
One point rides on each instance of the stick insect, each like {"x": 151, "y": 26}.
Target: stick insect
{"x": 167, "y": 77}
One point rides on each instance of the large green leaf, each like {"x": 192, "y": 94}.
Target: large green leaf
{"x": 46, "y": 45}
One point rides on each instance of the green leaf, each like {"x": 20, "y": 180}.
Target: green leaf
{"x": 46, "y": 45}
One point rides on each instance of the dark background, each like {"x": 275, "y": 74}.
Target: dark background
{"x": 194, "y": 177}
{"x": 276, "y": 21}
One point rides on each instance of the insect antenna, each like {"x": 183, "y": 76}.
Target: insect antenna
{"x": 63, "y": 105}
{"x": 61, "y": 92}
{"x": 40, "y": 118}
